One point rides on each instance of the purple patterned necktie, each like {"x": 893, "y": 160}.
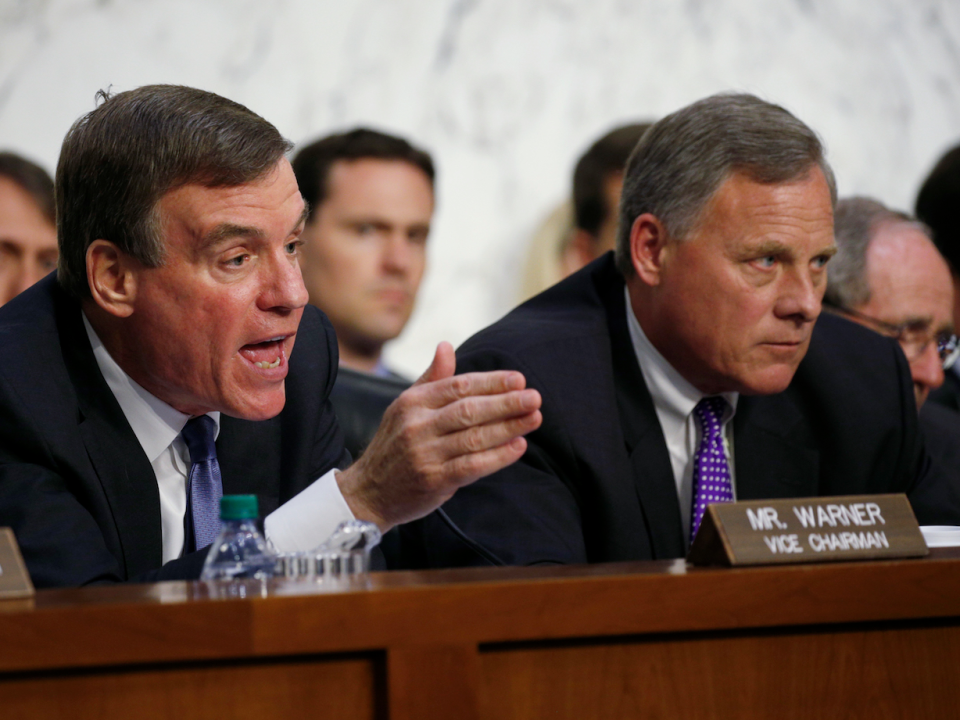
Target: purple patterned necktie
{"x": 206, "y": 487}
{"x": 711, "y": 473}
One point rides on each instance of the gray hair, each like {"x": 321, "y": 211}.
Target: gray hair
{"x": 683, "y": 159}
{"x": 855, "y": 222}
{"x": 121, "y": 158}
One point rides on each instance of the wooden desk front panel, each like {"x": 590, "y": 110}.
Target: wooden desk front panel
{"x": 877, "y": 672}
{"x": 345, "y": 687}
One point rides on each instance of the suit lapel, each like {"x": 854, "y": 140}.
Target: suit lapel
{"x": 125, "y": 474}
{"x": 645, "y": 444}
{"x": 773, "y": 459}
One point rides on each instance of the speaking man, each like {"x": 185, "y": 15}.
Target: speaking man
{"x": 28, "y": 233}
{"x": 689, "y": 369}
{"x": 174, "y": 358}
{"x": 889, "y": 276}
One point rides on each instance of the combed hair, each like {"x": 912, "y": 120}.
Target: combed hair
{"x": 32, "y": 179}
{"x": 855, "y": 222}
{"x": 312, "y": 163}
{"x": 683, "y": 159}
{"x": 121, "y": 158}
{"x": 606, "y": 156}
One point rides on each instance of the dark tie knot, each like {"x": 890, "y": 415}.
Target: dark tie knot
{"x": 198, "y": 434}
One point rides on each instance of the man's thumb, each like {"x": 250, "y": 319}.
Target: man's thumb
{"x": 443, "y": 366}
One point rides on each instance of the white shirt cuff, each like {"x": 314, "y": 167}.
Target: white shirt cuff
{"x": 307, "y": 520}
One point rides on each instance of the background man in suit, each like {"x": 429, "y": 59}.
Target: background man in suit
{"x": 370, "y": 197}
{"x": 597, "y": 182}
{"x": 889, "y": 276}
{"x": 160, "y": 365}
{"x": 936, "y": 206}
{"x": 28, "y": 233}
{"x": 690, "y": 370}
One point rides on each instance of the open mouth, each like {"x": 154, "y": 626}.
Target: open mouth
{"x": 265, "y": 355}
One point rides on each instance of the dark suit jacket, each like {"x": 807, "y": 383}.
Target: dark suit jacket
{"x": 596, "y": 482}
{"x": 941, "y": 432}
{"x": 947, "y": 394}
{"x": 360, "y": 399}
{"x": 75, "y": 485}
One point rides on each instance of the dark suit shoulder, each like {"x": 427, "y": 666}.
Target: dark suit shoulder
{"x": 564, "y": 319}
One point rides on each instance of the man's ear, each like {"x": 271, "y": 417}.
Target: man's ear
{"x": 648, "y": 240}
{"x": 112, "y": 277}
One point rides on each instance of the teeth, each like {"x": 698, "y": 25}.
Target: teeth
{"x": 266, "y": 365}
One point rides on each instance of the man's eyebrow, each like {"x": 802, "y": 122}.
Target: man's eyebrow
{"x": 304, "y": 216}
{"x": 778, "y": 247}
{"x": 226, "y": 231}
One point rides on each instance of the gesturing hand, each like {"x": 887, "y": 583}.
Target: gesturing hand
{"x": 442, "y": 433}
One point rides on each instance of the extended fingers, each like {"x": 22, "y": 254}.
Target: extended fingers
{"x": 465, "y": 469}
{"x": 481, "y": 438}
{"x": 439, "y": 393}
{"x": 485, "y": 409}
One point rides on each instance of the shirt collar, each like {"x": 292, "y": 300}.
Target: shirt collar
{"x": 155, "y": 423}
{"x": 672, "y": 393}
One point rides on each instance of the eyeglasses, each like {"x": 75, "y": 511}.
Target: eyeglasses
{"x": 914, "y": 337}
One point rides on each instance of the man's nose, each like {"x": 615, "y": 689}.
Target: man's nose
{"x": 283, "y": 285}
{"x": 927, "y": 368}
{"x": 801, "y": 297}
{"x": 397, "y": 252}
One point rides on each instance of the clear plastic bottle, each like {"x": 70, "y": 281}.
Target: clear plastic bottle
{"x": 240, "y": 550}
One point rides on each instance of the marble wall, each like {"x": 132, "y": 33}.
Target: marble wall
{"x": 506, "y": 93}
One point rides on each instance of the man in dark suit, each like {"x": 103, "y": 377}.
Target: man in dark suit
{"x": 889, "y": 276}
{"x": 157, "y": 370}
{"x": 689, "y": 370}
{"x": 936, "y": 206}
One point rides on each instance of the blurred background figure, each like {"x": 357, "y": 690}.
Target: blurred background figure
{"x": 28, "y": 231}
{"x": 597, "y": 182}
{"x": 938, "y": 206}
{"x": 371, "y": 202}
{"x": 364, "y": 249}
{"x": 889, "y": 276}
{"x": 577, "y": 233}
{"x": 544, "y": 263}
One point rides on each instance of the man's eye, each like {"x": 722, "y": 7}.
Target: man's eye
{"x": 238, "y": 260}
{"x": 293, "y": 247}
{"x": 821, "y": 262}
{"x": 767, "y": 261}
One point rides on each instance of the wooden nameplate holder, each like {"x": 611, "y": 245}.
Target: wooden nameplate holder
{"x": 14, "y": 578}
{"x": 803, "y": 530}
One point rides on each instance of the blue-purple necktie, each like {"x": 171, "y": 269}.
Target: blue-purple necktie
{"x": 711, "y": 473}
{"x": 206, "y": 486}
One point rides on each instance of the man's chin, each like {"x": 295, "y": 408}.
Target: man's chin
{"x": 257, "y": 407}
{"x": 770, "y": 381}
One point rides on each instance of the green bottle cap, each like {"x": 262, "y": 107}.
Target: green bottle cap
{"x": 238, "y": 507}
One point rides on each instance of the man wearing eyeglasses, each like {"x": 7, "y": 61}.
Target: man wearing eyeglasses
{"x": 888, "y": 275}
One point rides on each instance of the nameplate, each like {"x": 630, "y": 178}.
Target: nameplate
{"x": 772, "y": 532}
{"x": 14, "y": 579}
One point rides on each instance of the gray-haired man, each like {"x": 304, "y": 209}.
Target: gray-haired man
{"x": 889, "y": 276}
{"x": 690, "y": 370}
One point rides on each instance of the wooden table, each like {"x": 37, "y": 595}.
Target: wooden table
{"x": 652, "y": 640}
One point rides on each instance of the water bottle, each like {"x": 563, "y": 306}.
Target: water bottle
{"x": 240, "y": 550}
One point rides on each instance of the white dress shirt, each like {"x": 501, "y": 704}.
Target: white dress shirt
{"x": 301, "y": 523}
{"x": 674, "y": 399}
